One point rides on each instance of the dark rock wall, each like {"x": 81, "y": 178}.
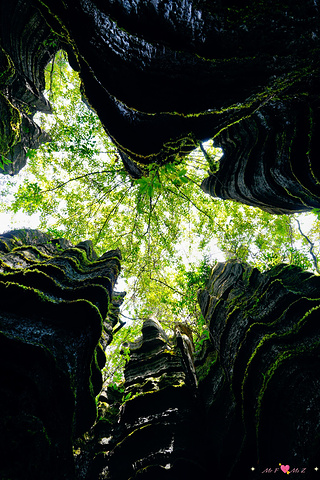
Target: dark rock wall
{"x": 262, "y": 392}
{"x": 164, "y": 75}
{"x": 157, "y": 431}
{"x": 250, "y": 399}
{"x": 55, "y": 300}
{"x": 27, "y": 44}
{"x": 271, "y": 158}
{"x": 247, "y": 402}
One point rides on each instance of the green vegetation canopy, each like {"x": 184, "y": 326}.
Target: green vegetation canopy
{"x": 169, "y": 232}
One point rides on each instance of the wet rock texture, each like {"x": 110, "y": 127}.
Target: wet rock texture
{"x": 55, "y": 301}
{"x": 163, "y": 75}
{"x": 262, "y": 392}
{"x": 247, "y": 402}
{"x": 271, "y": 158}
{"x": 166, "y": 70}
{"x": 156, "y": 432}
{"x": 250, "y": 399}
{"x": 27, "y": 44}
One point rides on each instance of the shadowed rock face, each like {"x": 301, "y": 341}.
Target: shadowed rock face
{"x": 271, "y": 158}
{"x": 249, "y": 400}
{"x": 157, "y": 432}
{"x": 262, "y": 393}
{"x": 26, "y": 46}
{"x": 163, "y": 75}
{"x": 55, "y": 300}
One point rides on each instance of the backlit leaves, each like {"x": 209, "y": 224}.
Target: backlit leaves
{"x": 169, "y": 232}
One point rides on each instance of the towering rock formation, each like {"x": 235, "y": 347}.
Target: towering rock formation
{"x": 262, "y": 392}
{"x": 194, "y": 68}
{"x": 26, "y": 46}
{"x": 247, "y": 402}
{"x": 164, "y": 75}
{"x": 55, "y": 301}
{"x": 157, "y": 432}
{"x": 271, "y": 158}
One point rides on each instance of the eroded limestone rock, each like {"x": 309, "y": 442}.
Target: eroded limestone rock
{"x": 27, "y": 44}
{"x": 249, "y": 399}
{"x": 271, "y": 158}
{"x": 55, "y": 300}
{"x": 255, "y": 400}
{"x": 164, "y": 75}
{"x": 156, "y": 433}
{"x": 262, "y": 390}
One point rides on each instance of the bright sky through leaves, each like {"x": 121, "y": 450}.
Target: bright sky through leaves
{"x": 169, "y": 232}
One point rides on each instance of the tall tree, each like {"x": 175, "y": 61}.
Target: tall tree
{"x": 169, "y": 232}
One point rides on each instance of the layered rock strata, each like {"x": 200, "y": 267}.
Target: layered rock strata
{"x": 27, "y": 44}
{"x": 247, "y": 402}
{"x": 194, "y": 68}
{"x": 271, "y": 158}
{"x": 156, "y": 432}
{"x": 164, "y": 75}
{"x": 262, "y": 390}
{"x": 54, "y": 319}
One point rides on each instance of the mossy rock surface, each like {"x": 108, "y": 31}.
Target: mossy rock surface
{"x": 55, "y": 300}
{"x": 10, "y": 121}
{"x": 6, "y": 68}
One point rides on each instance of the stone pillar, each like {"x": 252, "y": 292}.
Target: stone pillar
{"x": 55, "y": 300}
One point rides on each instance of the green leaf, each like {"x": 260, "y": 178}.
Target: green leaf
{"x": 169, "y": 231}
{"x": 150, "y": 190}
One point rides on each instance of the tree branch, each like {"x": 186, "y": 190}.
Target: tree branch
{"x": 205, "y": 153}
{"x": 109, "y": 214}
{"x": 80, "y": 176}
{"x": 314, "y": 258}
{"x": 166, "y": 285}
{"x": 189, "y": 200}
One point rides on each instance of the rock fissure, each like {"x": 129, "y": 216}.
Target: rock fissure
{"x": 164, "y": 76}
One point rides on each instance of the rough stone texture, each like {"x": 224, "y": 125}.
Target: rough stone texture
{"x": 193, "y": 67}
{"x": 55, "y": 300}
{"x": 27, "y": 44}
{"x": 271, "y": 158}
{"x": 262, "y": 392}
{"x": 249, "y": 399}
{"x": 163, "y": 75}
{"x": 156, "y": 432}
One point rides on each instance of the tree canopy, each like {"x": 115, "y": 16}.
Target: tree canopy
{"x": 169, "y": 231}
